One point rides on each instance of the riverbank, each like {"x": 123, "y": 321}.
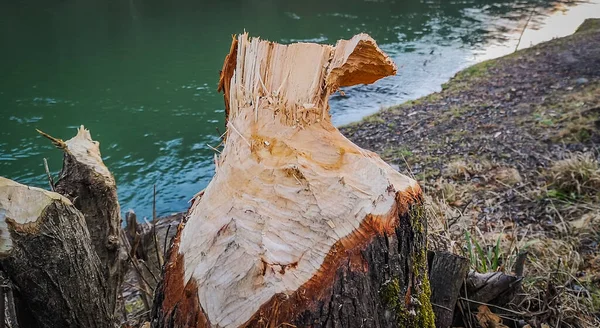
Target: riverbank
{"x": 508, "y": 155}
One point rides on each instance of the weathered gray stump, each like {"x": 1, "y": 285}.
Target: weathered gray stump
{"x": 447, "y": 273}
{"x": 493, "y": 287}
{"x": 45, "y": 249}
{"x": 87, "y": 182}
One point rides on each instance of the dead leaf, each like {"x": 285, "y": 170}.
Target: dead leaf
{"x": 487, "y": 319}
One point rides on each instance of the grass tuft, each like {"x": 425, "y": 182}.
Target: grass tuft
{"x": 579, "y": 175}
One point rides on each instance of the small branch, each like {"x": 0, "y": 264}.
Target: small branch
{"x": 213, "y": 148}
{"x": 150, "y": 271}
{"x": 59, "y": 143}
{"x": 157, "y": 248}
{"x": 142, "y": 282}
{"x": 165, "y": 241}
{"x": 496, "y": 306}
{"x": 50, "y": 179}
{"x": 520, "y": 264}
{"x": 523, "y": 31}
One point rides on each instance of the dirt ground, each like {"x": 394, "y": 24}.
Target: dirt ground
{"x": 508, "y": 155}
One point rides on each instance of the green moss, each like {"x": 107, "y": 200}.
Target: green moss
{"x": 390, "y": 294}
{"x": 416, "y": 311}
{"x": 426, "y": 317}
{"x": 422, "y": 292}
{"x": 417, "y": 220}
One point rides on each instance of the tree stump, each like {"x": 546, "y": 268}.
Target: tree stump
{"x": 87, "y": 182}
{"x": 45, "y": 249}
{"x": 447, "y": 273}
{"x": 299, "y": 227}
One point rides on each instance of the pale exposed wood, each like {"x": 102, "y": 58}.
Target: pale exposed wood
{"x": 47, "y": 254}
{"x": 88, "y": 183}
{"x": 291, "y": 196}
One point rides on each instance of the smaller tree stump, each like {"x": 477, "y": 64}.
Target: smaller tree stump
{"x": 45, "y": 250}
{"x": 447, "y": 272}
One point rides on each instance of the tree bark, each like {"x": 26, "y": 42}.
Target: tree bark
{"x": 447, "y": 272}
{"x": 299, "y": 226}
{"x": 495, "y": 288}
{"x": 45, "y": 250}
{"x": 87, "y": 182}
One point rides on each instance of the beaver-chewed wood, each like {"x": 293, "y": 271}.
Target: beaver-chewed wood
{"x": 299, "y": 227}
{"x": 46, "y": 251}
{"x": 87, "y": 182}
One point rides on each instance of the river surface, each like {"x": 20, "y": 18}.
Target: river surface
{"x": 142, "y": 74}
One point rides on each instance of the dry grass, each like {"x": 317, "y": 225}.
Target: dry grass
{"x": 461, "y": 170}
{"x": 561, "y": 287}
{"x": 508, "y": 176}
{"x": 578, "y": 174}
{"x": 457, "y": 170}
{"x": 556, "y": 292}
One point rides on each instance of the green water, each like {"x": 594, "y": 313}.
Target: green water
{"x": 141, "y": 75}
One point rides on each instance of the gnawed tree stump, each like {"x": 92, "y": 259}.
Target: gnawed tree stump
{"x": 87, "y": 182}
{"x": 45, "y": 250}
{"x": 299, "y": 226}
{"x": 447, "y": 273}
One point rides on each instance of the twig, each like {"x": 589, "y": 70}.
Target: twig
{"x": 142, "y": 282}
{"x": 150, "y": 271}
{"x": 50, "y": 179}
{"x": 520, "y": 264}
{"x": 165, "y": 242}
{"x": 213, "y": 148}
{"x": 524, "y": 28}
{"x": 460, "y": 307}
{"x": 141, "y": 314}
{"x": 453, "y": 220}
{"x": 468, "y": 306}
{"x": 513, "y": 189}
{"x": 443, "y": 307}
{"x": 496, "y": 306}
{"x": 58, "y": 143}
{"x": 156, "y": 247}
